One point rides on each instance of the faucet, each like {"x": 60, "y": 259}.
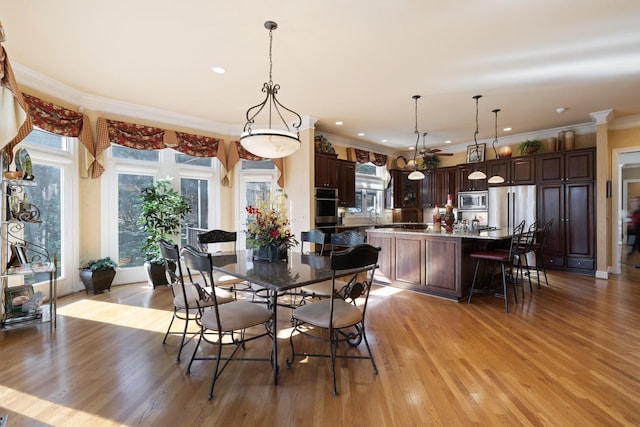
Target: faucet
{"x": 373, "y": 216}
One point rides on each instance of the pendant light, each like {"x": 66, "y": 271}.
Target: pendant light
{"x": 270, "y": 143}
{"x": 476, "y": 174}
{"x": 495, "y": 179}
{"x": 416, "y": 174}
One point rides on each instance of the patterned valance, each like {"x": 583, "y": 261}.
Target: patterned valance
{"x": 237, "y": 152}
{"x": 141, "y": 137}
{"x": 364, "y": 156}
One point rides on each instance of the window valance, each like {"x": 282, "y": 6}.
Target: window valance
{"x": 237, "y": 153}
{"x": 364, "y": 156}
{"x": 141, "y": 137}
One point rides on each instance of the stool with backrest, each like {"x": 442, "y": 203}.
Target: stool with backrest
{"x": 538, "y": 249}
{"x": 185, "y": 296}
{"x": 232, "y": 324}
{"x": 506, "y": 260}
{"x": 346, "y": 239}
{"x": 525, "y": 247}
{"x": 342, "y": 318}
{"x": 315, "y": 236}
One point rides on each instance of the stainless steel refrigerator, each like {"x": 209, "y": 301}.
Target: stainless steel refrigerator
{"x": 510, "y": 205}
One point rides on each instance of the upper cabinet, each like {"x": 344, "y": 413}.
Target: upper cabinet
{"x": 515, "y": 171}
{"x": 466, "y": 184}
{"x": 575, "y": 165}
{"x": 405, "y": 191}
{"x": 346, "y": 183}
{"x": 437, "y": 185}
{"x": 326, "y": 174}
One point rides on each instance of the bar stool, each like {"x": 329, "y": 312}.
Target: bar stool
{"x": 525, "y": 247}
{"x": 505, "y": 258}
{"x": 538, "y": 249}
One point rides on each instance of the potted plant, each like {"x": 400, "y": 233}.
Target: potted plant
{"x": 430, "y": 162}
{"x": 530, "y": 146}
{"x": 163, "y": 212}
{"x": 97, "y": 275}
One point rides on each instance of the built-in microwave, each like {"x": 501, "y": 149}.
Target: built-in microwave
{"x": 473, "y": 200}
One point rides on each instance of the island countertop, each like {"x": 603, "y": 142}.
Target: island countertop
{"x": 437, "y": 263}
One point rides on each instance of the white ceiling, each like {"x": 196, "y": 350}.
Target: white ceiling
{"x": 355, "y": 61}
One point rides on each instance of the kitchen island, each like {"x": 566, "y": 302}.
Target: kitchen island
{"x": 435, "y": 263}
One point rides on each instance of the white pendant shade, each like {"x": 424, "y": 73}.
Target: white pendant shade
{"x": 270, "y": 143}
{"x": 496, "y": 179}
{"x": 477, "y": 175}
{"x": 416, "y": 175}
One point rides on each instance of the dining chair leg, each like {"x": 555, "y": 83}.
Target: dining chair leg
{"x": 195, "y": 351}
{"x": 473, "y": 284}
{"x": 504, "y": 288}
{"x": 169, "y": 329}
{"x": 366, "y": 343}
{"x": 332, "y": 354}
{"x": 215, "y": 370}
{"x": 184, "y": 334}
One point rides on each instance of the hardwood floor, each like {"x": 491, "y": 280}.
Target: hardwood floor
{"x": 569, "y": 355}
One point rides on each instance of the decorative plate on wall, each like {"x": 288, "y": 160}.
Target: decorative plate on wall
{"x": 401, "y": 162}
{"x": 23, "y": 163}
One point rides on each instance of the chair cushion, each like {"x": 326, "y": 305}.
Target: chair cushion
{"x": 502, "y": 256}
{"x": 236, "y": 315}
{"x": 221, "y": 279}
{"x": 318, "y": 313}
{"x": 192, "y": 295}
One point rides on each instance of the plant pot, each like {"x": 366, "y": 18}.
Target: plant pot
{"x": 97, "y": 281}
{"x": 156, "y": 274}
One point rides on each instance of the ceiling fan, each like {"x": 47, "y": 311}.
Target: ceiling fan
{"x": 424, "y": 152}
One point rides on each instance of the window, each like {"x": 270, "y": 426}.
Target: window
{"x": 370, "y": 185}
{"x": 130, "y": 170}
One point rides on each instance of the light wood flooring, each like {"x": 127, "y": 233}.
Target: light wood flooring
{"x": 569, "y": 355}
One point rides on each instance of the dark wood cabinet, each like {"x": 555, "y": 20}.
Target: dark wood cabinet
{"x": 405, "y": 191}
{"x": 466, "y": 184}
{"x": 515, "y": 171}
{"x": 346, "y": 183}
{"x": 326, "y": 173}
{"x": 566, "y": 194}
{"x": 437, "y": 186}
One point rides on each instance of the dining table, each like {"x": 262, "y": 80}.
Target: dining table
{"x": 276, "y": 277}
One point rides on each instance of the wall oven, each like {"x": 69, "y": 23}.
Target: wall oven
{"x": 326, "y": 209}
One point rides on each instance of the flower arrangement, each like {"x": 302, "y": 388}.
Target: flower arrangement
{"x": 268, "y": 224}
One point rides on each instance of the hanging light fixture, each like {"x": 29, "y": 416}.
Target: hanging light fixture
{"x": 476, "y": 174}
{"x": 495, "y": 179}
{"x": 416, "y": 174}
{"x": 270, "y": 143}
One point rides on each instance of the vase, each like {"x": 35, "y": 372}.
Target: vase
{"x": 448, "y": 221}
{"x": 271, "y": 253}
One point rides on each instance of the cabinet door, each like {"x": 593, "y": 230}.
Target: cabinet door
{"x": 346, "y": 183}
{"x": 551, "y": 206}
{"x": 397, "y": 183}
{"x": 550, "y": 167}
{"x": 410, "y": 190}
{"x": 579, "y": 222}
{"x": 578, "y": 165}
{"x": 500, "y": 167}
{"x": 326, "y": 173}
{"x": 522, "y": 170}
{"x": 428, "y": 189}
{"x": 466, "y": 184}
{"x": 451, "y": 183}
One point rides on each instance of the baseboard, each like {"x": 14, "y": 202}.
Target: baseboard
{"x": 602, "y": 274}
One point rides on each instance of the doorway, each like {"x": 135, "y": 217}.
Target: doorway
{"x": 626, "y": 183}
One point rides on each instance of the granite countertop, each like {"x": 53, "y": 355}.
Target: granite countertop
{"x": 483, "y": 235}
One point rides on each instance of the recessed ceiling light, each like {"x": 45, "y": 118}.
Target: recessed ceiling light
{"x": 561, "y": 110}
{"x": 412, "y": 148}
{"x": 339, "y": 123}
{"x": 506, "y": 129}
{"x": 384, "y": 140}
{"x": 448, "y": 141}
{"x": 217, "y": 70}
{"x": 361, "y": 134}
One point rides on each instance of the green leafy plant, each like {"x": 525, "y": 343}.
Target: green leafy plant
{"x": 530, "y": 146}
{"x": 163, "y": 212}
{"x": 323, "y": 146}
{"x": 430, "y": 162}
{"x": 100, "y": 264}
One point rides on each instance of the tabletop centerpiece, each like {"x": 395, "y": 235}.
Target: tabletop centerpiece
{"x": 268, "y": 232}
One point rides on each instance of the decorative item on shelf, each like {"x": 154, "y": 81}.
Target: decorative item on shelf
{"x": 270, "y": 143}
{"x": 163, "y": 213}
{"x": 401, "y": 162}
{"x": 13, "y": 174}
{"x": 496, "y": 179}
{"x": 569, "y": 140}
{"x": 97, "y": 275}
{"x": 268, "y": 232}
{"x": 560, "y": 144}
{"x": 505, "y": 152}
{"x": 551, "y": 145}
{"x": 475, "y": 153}
{"x": 323, "y": 145}
{"x": 23, "y": 163}
{"x": 530, "y": 146}
{"x": 16, "y": 296}
{"x": 449, "y": 218}
{"x": 416, "y": 174}
{"x": 23, "y": 210}
{"x": 437, "y": 220}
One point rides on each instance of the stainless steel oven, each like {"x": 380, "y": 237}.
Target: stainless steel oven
{"x": 326, "y": 209}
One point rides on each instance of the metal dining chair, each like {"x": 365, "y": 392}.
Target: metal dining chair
{"x": 186, "y": 299}
{"x": 213, "y": 239}
{"x": 339, "y": 320}
{"x": 538, "y": 249}
{"x": 315, "y": 236}
{"x": 232, "y": 324}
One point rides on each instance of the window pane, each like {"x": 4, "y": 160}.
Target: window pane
{"x": 197, "y": 191}
{"x": 130, "y": 234}
{"x": 46, "y": 139}
{"x": 131, "y": 153}
{"x": 45, "y": 196}
{"x": 366, "y": 169}
{"x": 258, "y": 164}
{"x": 185, "y": 159}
